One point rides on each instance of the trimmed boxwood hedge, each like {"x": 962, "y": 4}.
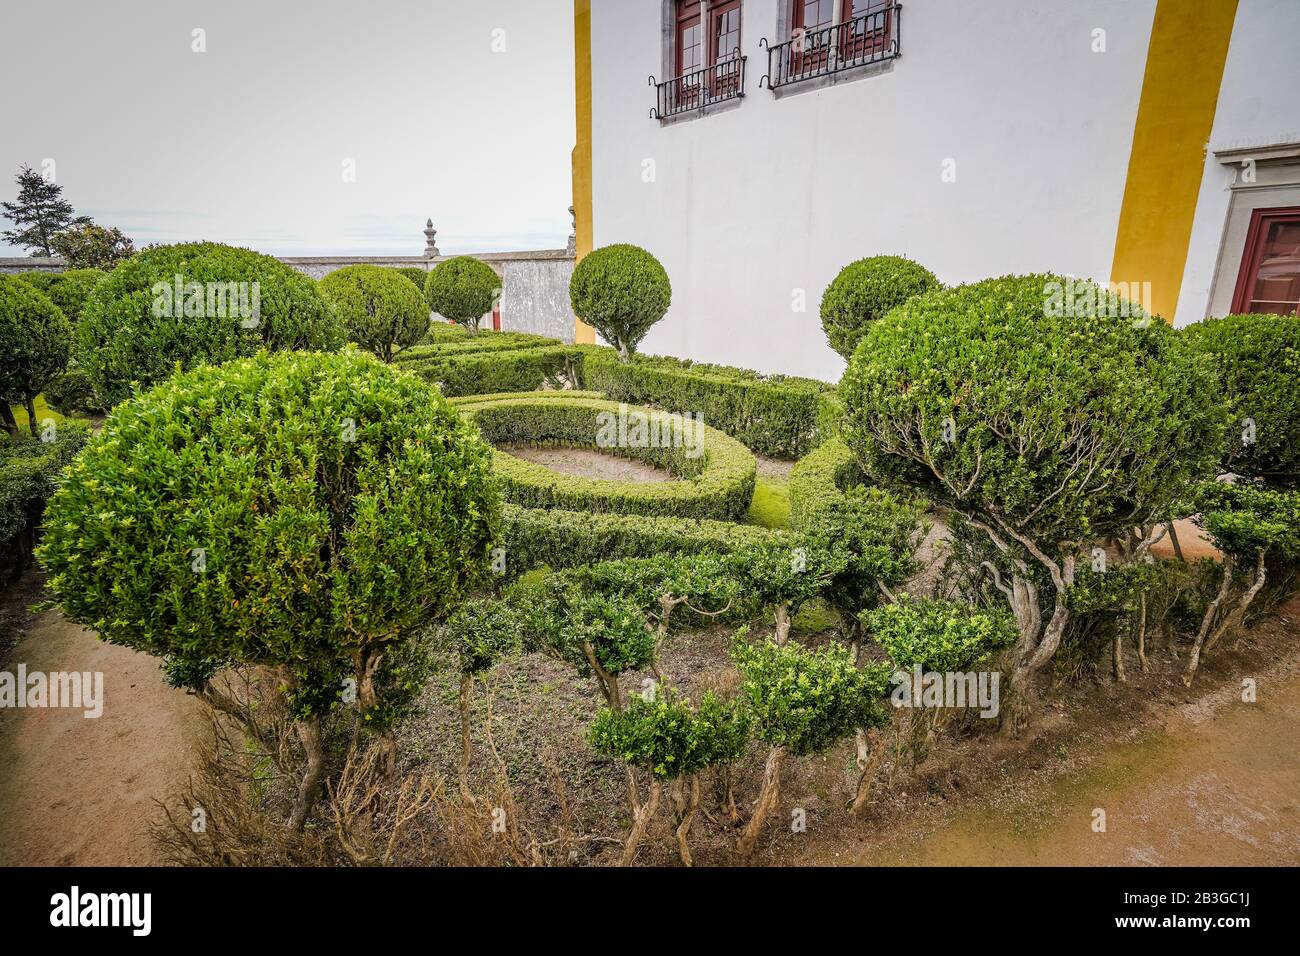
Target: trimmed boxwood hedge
{"x": 774, "y": 415}
{"x": 481, "y": 343}
{"x": 29, "y": 468}
{"x": 460, "y": 401}
{"x": 818, "y": 480}
{"x": 535, "y": 537}
{"x": 719, "y": 483}
{"x": 510, "y": 370}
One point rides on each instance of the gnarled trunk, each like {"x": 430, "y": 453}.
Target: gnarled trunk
{"x": 642, "y": 814}
{"x": 309, "y": 732}
{"x": 768, "y": 797}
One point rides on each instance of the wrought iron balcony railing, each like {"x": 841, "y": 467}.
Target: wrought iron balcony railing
{"x": 869, "y": 38}
{"x": 724, "y": 80}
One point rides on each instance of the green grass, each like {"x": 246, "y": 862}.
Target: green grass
{"x": 770, "y": 507}
{"x": 43, "y": 412}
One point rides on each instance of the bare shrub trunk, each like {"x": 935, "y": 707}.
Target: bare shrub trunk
{"x": 686, "y": 800}
{"x": 608, "y": 682}
{"x": 782, "y": 624}
{"x": 642, "y": 814}
{"x": 1142, "y": 632}
{"x": 1210, "y": 632}
{"x": 768, "y": 797}
{"x": 1117, "y": 655}
{"x": 868, "y": 775}
{"x": 30, "y": 404}
{"x": 309, "y": 733}
{"x": 7, "y": 419}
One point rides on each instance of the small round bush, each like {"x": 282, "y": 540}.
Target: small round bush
{"x": 136, "y": 328}
{"x": 864, "y": 291}
{"x": 462, "y": 289}
{"x": 380, "y": 310}
{"x": 302, "y": 511}
{"x": 35, "y": 338}
{"x": 620, "y": 291}
{"x": 1258, "y": 358}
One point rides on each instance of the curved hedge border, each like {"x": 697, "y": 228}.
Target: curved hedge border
{"x": 719, "y": 483}
{"x": 774, "y": 415}
{"x": 818, "y": 480}
{"x": 510, "y": 370}
{"x": 533, "y": 537}
{"x": 462, "y": 401}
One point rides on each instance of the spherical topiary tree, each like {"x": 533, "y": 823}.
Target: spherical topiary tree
{"x": 462, "y": 289}
{"x": 1045, "y": 429}
{"x": 301, "y": 512}
{"x": 1258, "y": 358}
{"x": 194, "y": 303}
{"x": 381, "y": 310}
{"x": 864, "y": 291}
{"x": 620, "y": 291}
{"x": 34, "y": 341}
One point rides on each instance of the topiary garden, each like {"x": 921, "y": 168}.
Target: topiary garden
{"x": 421, "y": 641}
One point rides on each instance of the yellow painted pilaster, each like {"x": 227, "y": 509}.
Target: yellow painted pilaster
{"x": 582, "y": 332}
{"x": 1180, "y": 91}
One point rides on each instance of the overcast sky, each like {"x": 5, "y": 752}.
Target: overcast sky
{"x": 246, "y": 143}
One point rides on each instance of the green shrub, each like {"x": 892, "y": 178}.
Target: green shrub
{"x": 670, "y": 737}
{"x": 866, "y": 290}
{"x": 463, "y": 289}
{"x": 1044, "y": 429}
{"x": 939, "y": 636}
{"x": 785, "y": 576}
{"x": 68, "y": 290}
{"x": 773, "y": 415}
{"x": 1258, "y": 357}
{"x": 800, "y": 702}
{"x": 379, "y": 309}
{"x": 415, "y": 274}
{"x": 505, "y": 370}
{"x": 533, "y": 537}
{"x": 304, "y": 512}
{"x": 620, "y": 291}
{"x": 879, "y": 533}
{"x": 476, "y": 345}
{"x": 482, "y": 631}
{"x": 29, "y": 469}
{"x": 715, "y": 473}
{"x": 134, "y": 327}
{"x": 71, "y": 393}
{"x": 35, "y": 338}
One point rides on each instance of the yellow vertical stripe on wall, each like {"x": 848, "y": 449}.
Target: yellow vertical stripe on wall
{"x": 1180, "y": 90}
{"x": 582, "y": 332}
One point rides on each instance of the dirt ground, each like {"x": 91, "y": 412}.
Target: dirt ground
{"x": 81, "y": 791}
{"x": 588, "y": 463}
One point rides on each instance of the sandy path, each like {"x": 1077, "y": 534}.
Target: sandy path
{"x": 81, "y": 791}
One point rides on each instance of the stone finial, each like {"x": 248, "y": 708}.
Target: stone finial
{"x": 430, "y": 247}
{"x": 572, "y": 247}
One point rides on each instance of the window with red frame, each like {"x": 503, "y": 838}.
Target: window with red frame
{"x": 863, "y": 31}
{"x": 1269, "y": 280}
{"x": 704, "y": 43}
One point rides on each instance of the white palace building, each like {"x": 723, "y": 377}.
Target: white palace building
{"x": 758, "y": 146}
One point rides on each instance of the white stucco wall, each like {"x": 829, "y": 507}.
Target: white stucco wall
{"x": 749, "y": 205}
{"x": 1259, "y": 105}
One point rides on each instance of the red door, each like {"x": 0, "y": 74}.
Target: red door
{"x": 1269, "y": 280}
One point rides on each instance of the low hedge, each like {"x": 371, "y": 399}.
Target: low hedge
{"x": 481, "y": 343}
{"x": 534, "y": 537}
{"x": 818, "y": 480}
{"x": 774, "y": 415}
{"x": 512, "y": 370}
{"x": 29, "y": 468}
{"x": 462, "y": 401}
{"x": 717, "y": 483}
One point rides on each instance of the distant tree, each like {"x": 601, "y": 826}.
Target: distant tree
{"x": 91, "y": 246}
{"x": 39, "y": 214}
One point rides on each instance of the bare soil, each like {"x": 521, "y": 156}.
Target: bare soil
{"x": 77, "y": 790}
{"x": 589, "y": 463}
